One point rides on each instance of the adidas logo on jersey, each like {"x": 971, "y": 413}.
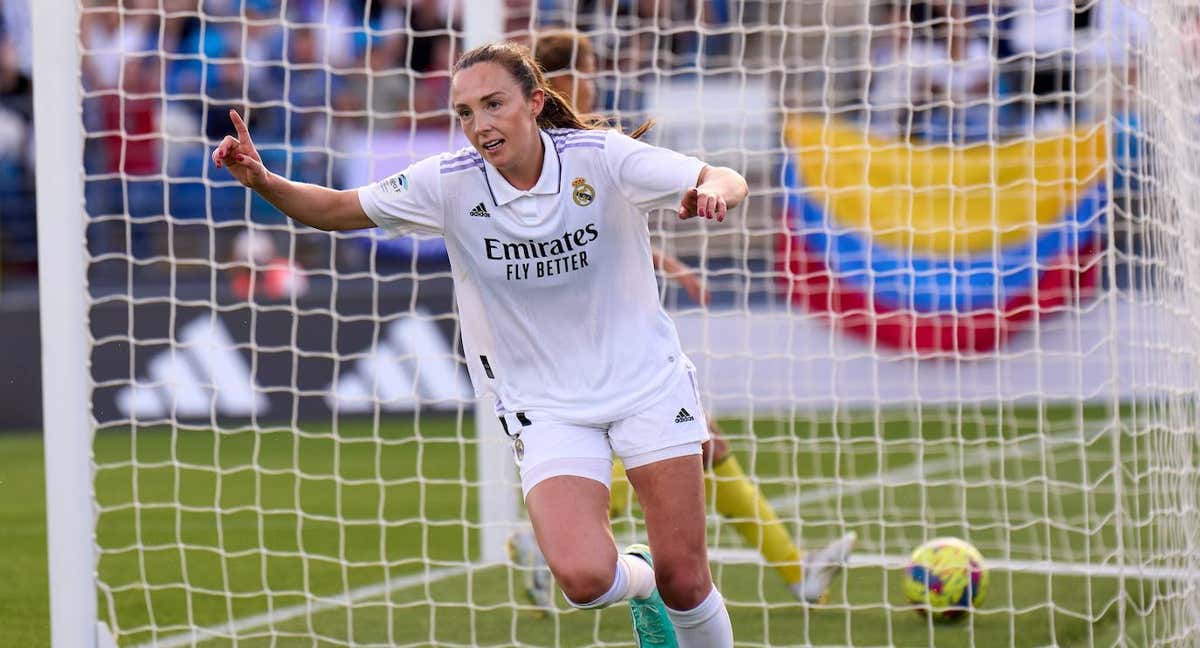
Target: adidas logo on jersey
{"x": 479, "y": 211}
{"x": 683, "y": 416}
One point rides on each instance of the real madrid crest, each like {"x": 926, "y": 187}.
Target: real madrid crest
{"x": 583, "y": 194}
{"x": 519, "y": 448}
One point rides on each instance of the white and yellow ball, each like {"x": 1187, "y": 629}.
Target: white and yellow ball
{"x": 946, "y": 579}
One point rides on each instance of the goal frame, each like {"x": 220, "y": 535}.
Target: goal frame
{"x": 68, "y": 426}
{"x": 70, "y": 419}
{"x": 62, "y": 285}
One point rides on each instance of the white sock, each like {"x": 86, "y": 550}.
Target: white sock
{"x": 619, "y": 591}
{"x": 641, "y": 575}
{"x": 704, "y": 626}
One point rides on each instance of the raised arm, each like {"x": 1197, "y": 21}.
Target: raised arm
{"x": 717, "y": 190}
{"x": 315, "y": 206}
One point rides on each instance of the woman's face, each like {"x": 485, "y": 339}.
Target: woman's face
{"x": 496, "y": 116}
{"x": 578, "y": 85}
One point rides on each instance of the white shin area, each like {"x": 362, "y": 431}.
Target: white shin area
{"x": 705, "y": 626}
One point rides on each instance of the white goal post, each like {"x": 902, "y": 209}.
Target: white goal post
{"x": 62, "y": 301}
{"x": 963, "y": 300}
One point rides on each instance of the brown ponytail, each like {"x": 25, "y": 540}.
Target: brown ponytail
{"x": 559, "y": 113}
{"x": 641, "y": 130}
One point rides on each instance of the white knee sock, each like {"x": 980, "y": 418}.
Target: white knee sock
{"x": 704, "y": 626}
{"x": 632, "y": 578}
{"x": 641, "y": 575}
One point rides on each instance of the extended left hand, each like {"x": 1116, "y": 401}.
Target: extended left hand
{"x": 699, "y": 201}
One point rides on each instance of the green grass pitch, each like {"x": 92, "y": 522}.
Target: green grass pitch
{"x": 356, "y": 536}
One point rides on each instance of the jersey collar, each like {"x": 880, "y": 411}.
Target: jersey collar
{"x": 549, "y": 183}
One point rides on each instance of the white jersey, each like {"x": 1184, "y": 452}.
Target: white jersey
{"x": 556, "y": 293}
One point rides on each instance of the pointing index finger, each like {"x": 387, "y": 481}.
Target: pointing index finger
{"x": 242, "y": 131}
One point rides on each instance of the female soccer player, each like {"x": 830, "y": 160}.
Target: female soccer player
{"x": 569, "y": 62}
{"x": 544, "y": 219}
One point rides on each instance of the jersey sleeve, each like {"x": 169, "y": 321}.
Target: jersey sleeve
{"x": 407, "y": 202}
{"x": 649, "y": 176}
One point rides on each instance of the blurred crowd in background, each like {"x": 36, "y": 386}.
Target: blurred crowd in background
{"x": 322, "y": 81}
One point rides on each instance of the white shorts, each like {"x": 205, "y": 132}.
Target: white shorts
{"x": 546, "y": 447}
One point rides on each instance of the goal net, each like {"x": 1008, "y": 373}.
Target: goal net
{"x": 962, "y": 300}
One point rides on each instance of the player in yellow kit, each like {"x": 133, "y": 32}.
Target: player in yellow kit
{"x": 569, "y": 63}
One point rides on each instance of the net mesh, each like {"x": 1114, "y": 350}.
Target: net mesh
{"x": 961, "y": 301}
{"x": 1166, "y": 97}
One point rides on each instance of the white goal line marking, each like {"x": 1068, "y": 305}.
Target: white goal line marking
{"x": 282, "y": 615}
{"x": 1056, "y": 568}
{"x": 926, "y": 469}
{"x": 897, "y": 476}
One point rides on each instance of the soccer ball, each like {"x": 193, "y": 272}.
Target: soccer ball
{"x": 945, "y": 578}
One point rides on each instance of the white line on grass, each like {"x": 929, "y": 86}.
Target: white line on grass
{"x": 911, "y": 472}
{"x": 752, "y": 557}
{"x": 894, "y": 477}
{"x": 282, "y": 615}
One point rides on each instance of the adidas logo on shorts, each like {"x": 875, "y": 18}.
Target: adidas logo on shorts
{"x": 479, "y": 211}
{"x": 683, "y": 416}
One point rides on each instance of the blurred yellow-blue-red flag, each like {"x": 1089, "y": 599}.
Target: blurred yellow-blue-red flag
{"x": 940, "y": 247}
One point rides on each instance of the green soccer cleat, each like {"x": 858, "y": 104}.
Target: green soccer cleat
{"x": 651, "y": 625}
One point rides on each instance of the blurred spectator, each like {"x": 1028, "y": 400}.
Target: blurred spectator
{"x": 226, "y": 88}
{"x": 131, "y": 119}
{"x": 324, "y": 82}
{"x": 18, "y": 227}
{"x": 1056, "y": 42}
{"x": 430, "y": 22}
{"x": 131, "y": 184}
{"x": 1117, "y": 31}
{"x": 308, "y": 81}
{"x": 309, "y": 89}
{"x": 1043, "y": 37}
{"x": 342, "y": 32}
{"x": 292, "y": 87}
{"x": 890, "y": 80}
{"x": 16, "y": 106}
{"x": 387, "y": 17}
{"x": 570, "y": 65}
{"x": 16, "y": 23}
{"x": 205, "y": 67}
{"x": 120, "y": 68}
{"x": 108, "y": 34}
{"x": 931, "y": 77}
{"x": 263, "y": 50}
{"x": 380, "y": 94}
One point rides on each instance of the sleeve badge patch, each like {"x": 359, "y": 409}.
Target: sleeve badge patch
{"x": 394, "y": 184}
